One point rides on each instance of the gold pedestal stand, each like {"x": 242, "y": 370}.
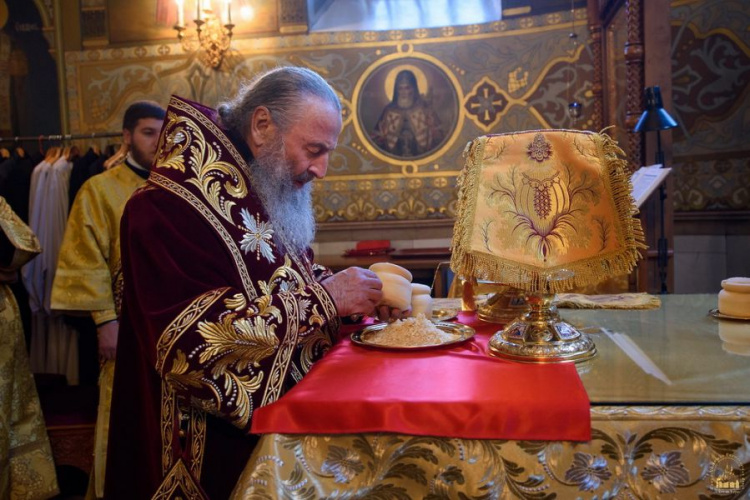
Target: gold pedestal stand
{"x": 541, "y": 336}
{"x": 504, "y": 305}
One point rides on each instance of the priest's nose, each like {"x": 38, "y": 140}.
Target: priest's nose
{"x": 319, "y": 167}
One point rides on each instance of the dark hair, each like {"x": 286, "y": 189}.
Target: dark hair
{"x": 139, "y": 110}
{"x": 283, "y": 91}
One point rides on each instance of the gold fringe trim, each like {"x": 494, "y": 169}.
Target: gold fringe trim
{"x": 532, "y": 278}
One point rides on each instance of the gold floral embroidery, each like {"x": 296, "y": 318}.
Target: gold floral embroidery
{"x": 179, "y": 374}
{"x": 317, "y": 341}
{"x": 560, "y": 193}
{"x": 241, "y": 387}
{"x": 236, "y": 303}
{"x": 237, "y": 342}
{"x": 181, "y": 134}
{"x": 182, "y": 322}
{"x": 263, "y": 306}
{"x": 284, "y": 272}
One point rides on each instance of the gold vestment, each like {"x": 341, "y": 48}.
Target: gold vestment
{"x": 27, "y": 469}
{"x": 90, "y": 252}
{"x": 87, "y": 271}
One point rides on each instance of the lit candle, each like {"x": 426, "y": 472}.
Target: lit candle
{"x": 180, "y": 13}
{"x": 229, "y": 11}
{"x": 197, "y": 10}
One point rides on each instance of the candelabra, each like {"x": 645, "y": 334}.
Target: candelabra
{"x": 214, "y": 38}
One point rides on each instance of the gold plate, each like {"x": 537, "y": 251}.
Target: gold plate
{"x": 716, "y": 314}
{"x": 461, "y": 332}
{"x": 444, "y": 314}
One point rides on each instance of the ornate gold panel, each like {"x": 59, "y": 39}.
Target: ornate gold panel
{"x": 479, "y": 79}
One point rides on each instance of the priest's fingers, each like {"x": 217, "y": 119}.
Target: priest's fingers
{"x": 354, "y": 290}
{"x": 386, "y": 313}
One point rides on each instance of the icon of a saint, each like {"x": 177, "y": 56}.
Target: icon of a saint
{"x": 408, "y": 126}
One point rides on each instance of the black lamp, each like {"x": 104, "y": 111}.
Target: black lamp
{"x": 656, "y": 118}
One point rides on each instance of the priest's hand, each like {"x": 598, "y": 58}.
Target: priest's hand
{"x": 386, "y": 313}
{"x": 107, "y": 335}
{"x": 355, "y": 291}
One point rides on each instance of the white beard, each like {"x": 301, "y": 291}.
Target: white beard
{"x": 289, "y": 208}
{"x": 405, "y": 102}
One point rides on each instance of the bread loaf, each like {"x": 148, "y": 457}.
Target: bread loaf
{"x": 396, "y": 285}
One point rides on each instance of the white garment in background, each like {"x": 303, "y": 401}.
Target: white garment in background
{"x": 54, "y": 344}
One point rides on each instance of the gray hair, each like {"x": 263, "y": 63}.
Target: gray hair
{"x": 283, "y": 91}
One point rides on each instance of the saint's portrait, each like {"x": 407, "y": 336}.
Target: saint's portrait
{"x": 408, "y": 108}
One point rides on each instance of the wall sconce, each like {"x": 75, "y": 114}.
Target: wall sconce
{"x": 214, "y": 38}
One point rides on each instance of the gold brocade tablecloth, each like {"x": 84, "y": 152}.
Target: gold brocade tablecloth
{"x": 684, "y": 435}
{"x": 645, "y": 451}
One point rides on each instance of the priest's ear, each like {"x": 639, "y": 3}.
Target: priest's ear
{"x": 127, "y": 137}
{"x": 262, "y": 129}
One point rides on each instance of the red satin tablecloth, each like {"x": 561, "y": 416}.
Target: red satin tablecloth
{"x": 454, "y": 391}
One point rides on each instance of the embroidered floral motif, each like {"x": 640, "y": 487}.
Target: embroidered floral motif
{"x": 542, "y": 195}
{"x": 588, "y": 471}
{"x": 238, "y": 342}
{"x": 344, "y": 464}
{"x": 257, "y": 237}
{"x": 547, "y": 212}
{"x": 666, "y": 471}
{"x": 183, "y": 142}
{"x": 237, "y": 302}
{"x": 539, "y": 149}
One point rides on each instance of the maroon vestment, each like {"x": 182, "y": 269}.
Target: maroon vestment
{"x": 216, "y": 319}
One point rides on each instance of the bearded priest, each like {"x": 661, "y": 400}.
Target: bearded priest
{"x": 223, "y": 307}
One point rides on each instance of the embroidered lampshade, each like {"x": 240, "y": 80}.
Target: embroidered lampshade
{"x": 544, "y": 211}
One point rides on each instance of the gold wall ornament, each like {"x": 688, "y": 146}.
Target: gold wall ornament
{"x": 543, "y": 211}
{"x": 214, "y": 38}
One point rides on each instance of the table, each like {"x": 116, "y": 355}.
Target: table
{"x": 680, "y": 434}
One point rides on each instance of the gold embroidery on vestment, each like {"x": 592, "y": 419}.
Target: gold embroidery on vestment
{"x": 168, "y": 418}
{"x": 197, "y": 440}
{"x": 181, "y": 134}
{"x": 178, "y": 484}
{"x": 182, "y": 322}
{"x": 239, "y": 261}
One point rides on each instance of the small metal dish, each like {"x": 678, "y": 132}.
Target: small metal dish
{"x": 444, "y": 314}
{"x": 716, "y": 314}
{"x": 460, "y": 333}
